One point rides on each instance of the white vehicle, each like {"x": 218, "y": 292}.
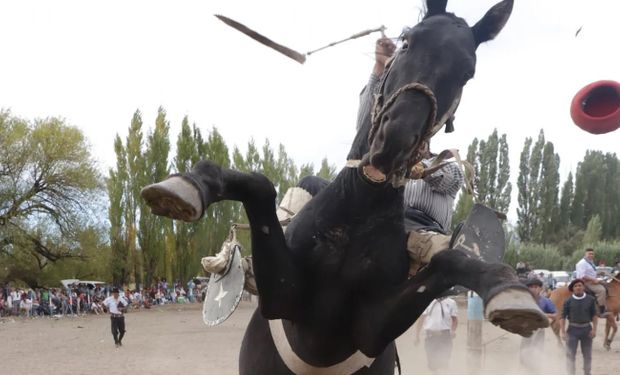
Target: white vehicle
{"x": 562, "y": 278}
{"x": 544, "y": 276}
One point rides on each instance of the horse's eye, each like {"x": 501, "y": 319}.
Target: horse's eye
{"x": 405, "y": 46}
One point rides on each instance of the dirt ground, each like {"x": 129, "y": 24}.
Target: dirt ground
{"x": 173, "y": 340}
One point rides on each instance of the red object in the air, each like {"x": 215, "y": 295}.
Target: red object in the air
{"x": 596, "y": 107}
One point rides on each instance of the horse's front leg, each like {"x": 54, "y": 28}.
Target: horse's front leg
{"x": 187, "y": 196}
{"x": 508, "y": 303}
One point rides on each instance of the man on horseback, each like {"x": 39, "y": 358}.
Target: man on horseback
{"x": 586, "y": 270}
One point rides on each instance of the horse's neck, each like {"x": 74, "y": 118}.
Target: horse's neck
{"x": 360, "y": 146}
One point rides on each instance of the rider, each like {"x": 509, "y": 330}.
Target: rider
{"x": 429, "y": 200}
{"x": 586, "y": 270}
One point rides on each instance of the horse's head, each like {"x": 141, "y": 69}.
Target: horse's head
{"x": 422, "y": 85}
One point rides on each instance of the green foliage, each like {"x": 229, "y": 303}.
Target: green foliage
{"x": 327, "y": 171}
{"x": 490, "y": 162}
{"x": 49, "y": 192}
{"x": 593, "y": 232}
{"x": 463, "y": 207}
{"x": 538, "y": 256}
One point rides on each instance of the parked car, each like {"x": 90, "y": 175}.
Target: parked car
{"x": 561, "y": 278}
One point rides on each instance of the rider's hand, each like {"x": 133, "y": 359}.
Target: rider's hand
{"x": 592, "y": 334}
{"x": 384, "y": 49}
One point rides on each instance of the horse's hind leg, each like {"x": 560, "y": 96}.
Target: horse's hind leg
{"x": 508, "y": 303}
{"x": 187, "y": 196}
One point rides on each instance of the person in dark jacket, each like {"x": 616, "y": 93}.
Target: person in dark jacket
{"x": 581, "y": 312}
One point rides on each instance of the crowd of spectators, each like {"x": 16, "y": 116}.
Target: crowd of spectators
{"x": 80, "y": 299}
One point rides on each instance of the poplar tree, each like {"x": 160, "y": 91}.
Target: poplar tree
{"x": 186, "y": 151}
{"x": 116, "y": 183}
{"x": 548, "y": 209}
{"x": 135, "y": 182}
{"x": 155, "y": 231}
{"x": 566, "y": 201}
{"x": 327, "y": 171}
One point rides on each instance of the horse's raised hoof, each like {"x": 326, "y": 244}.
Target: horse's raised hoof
{"x": 516, "y": 311}
{"x": 175, "y": 198}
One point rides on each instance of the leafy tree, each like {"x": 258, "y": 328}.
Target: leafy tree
{"x": 186, "y": 151}
{"x": 136, "y": 166}
{"x": 327, "y": 171}
{"x": 156, "y": 251}
{"x": 116, "y": 183}
{"x": 529, "y": 186}
{"x": 49, "y": 193}
{"x": 548, "y": 209}
{"x": 49, "y": 186}
{"x": 306, "y": 170}
{"x": 566, "y": 201}
{"x": 593, "y": 232}
{"x": 491, "y": 175}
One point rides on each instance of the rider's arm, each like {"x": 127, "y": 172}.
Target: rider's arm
{"x": 384, "y": 49}
{"x": 447, "y": 180}
{"x": 367, "y": 100}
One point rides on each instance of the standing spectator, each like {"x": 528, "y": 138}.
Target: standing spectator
{"x": 439, "y": 322}
{"x": 15, "y": 300}
{"x": 173, "y": 295}
{"x": 586, "y": 271}
{"x": 580, "y": 310}
{"x": 116, "y": 306}
{"x": 2, "y": 306}
{"x": 190, "y": 290}
{"x": 532, "y": 347}
{"x": 25, "y": 305}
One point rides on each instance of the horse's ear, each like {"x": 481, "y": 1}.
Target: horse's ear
{"x": 493, "y": 22}
{"x": 434, "y": 7}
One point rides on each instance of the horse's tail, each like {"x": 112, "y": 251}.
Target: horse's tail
{"x": 397, "y": 358}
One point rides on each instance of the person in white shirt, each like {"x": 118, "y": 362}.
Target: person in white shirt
{"x": 25, "y": 305}
{"x": 586, "y": 271}
{"x": 439, "y": 322}
{"x": 116, "y": 306}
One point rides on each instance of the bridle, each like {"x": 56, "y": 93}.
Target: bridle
{"x": 432, "y": 127}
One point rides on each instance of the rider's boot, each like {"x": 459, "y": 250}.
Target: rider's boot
{"x": 481, "y": 236}
{"x": 603, "y": 312}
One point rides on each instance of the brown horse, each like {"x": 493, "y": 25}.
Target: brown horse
{"x": 560, "y": 295}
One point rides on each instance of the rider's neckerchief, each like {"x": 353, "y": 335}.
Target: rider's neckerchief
{"x": 590, "y": 263}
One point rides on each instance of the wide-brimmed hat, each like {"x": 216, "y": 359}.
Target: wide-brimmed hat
{"x": 534, "y": 281}
{"x": 572, "y": 283}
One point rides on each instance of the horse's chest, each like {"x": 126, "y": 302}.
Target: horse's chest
{"x": 354, "y": 258}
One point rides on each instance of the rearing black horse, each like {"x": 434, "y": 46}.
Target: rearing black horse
{"x": 334, "y": 292}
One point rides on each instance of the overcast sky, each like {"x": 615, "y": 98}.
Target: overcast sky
{"x": 95, "y": 62}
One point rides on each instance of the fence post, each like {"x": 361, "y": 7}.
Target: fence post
{"x": 475, "y": 317}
